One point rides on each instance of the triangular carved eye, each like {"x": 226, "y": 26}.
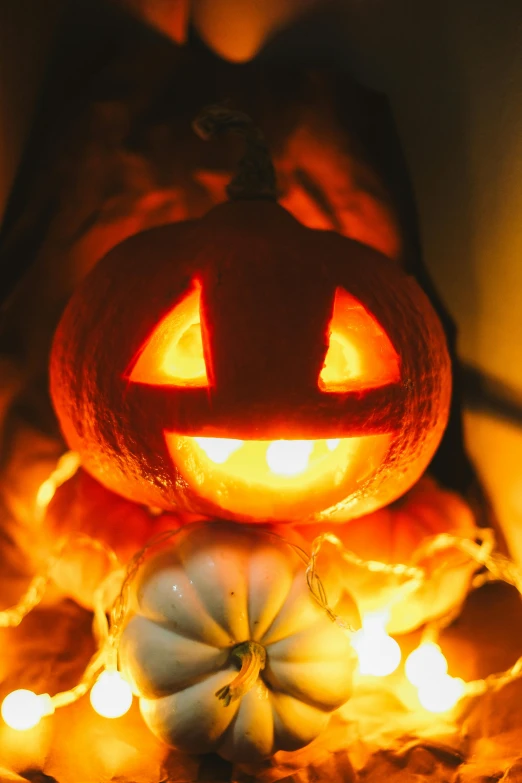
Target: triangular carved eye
{"x": 360, "y": 354}
{"x": 173, "y": 354}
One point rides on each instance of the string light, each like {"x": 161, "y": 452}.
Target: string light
{"x": 65, "y": 468}
{"x": 378, "y": 653}
{"x": 441, "y": 694}
{"x": 23, "y": 709}
{"x": 426, "y": 662}
{"x": 111, "y": 695}
{"x": 427, "y": 667}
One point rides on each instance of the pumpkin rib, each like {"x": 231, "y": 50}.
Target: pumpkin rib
{"x": 277, "y": 590}
{"x": 235, "y": 573}
{"x": 309, "y": 645}
{"x": 207, "y": 624}
{"x": 239, "y": 741}
{"x": 191, "y": 706}
{"x": 296, "y": 614}
{"x": 288, "y": 677}
{"x": 231, "y": 618}
{"x": 296, "y": 721}
{"x": 147, "y": 641}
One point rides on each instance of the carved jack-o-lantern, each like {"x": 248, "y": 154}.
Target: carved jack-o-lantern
{"x": 247, "y": 366}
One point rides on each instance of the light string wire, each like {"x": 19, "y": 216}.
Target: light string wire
{"x": 498, "y": 568}
{"x": 414, "y": 575}
{"x": 119, "y": 608}
{"x": 34, "y": 594}
{"x": 66, "y": 467}
{"x": 110, "y": 612}
{"x": 107, "y": 632}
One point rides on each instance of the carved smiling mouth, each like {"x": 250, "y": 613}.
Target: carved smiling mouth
{"x": 272, "y": 478}
{"x": 278, "y": 458}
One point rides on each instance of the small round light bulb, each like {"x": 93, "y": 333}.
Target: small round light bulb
{"x": 379, "y": 654}
{"x": 425, "y": 664}
{"x": 441, "y": 694}
{"x": 111, "y": 695}
{"x": 23, "y": 709}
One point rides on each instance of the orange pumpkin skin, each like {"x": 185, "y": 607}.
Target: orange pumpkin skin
{"x": 96, "y": 522}
{"x": 267, "y": 295}
{"x": 395, "y": 534}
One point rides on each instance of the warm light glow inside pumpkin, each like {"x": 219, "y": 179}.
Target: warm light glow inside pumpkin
{"x": 173, "y": 355}
{"x": 360, "y": 354}
{"x": 282, "y": 457}
{"x": 275, "y": 477}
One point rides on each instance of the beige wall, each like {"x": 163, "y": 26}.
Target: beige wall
{"x": 453, "y": 72}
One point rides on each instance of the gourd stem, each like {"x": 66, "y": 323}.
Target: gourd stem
{"x": 252, "y": 657}
{"x": 255, "y": 177}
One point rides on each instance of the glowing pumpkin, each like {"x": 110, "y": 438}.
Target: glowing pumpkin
{"x": 228, "y": 650}
{"x": 244, "y": 365}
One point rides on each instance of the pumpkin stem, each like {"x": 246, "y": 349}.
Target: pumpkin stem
{"x": 255, "y": 177}
{"x": 252, "y": 657}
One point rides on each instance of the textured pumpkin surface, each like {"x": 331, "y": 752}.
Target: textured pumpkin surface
{"x": 267, "y": 293}
{"x": 394, "y": 535}
{"x": 217, "y": 586}
{"x": 98, "y": 522}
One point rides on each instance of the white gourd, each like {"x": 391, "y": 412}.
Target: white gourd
{"x": 228, "y": 650}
